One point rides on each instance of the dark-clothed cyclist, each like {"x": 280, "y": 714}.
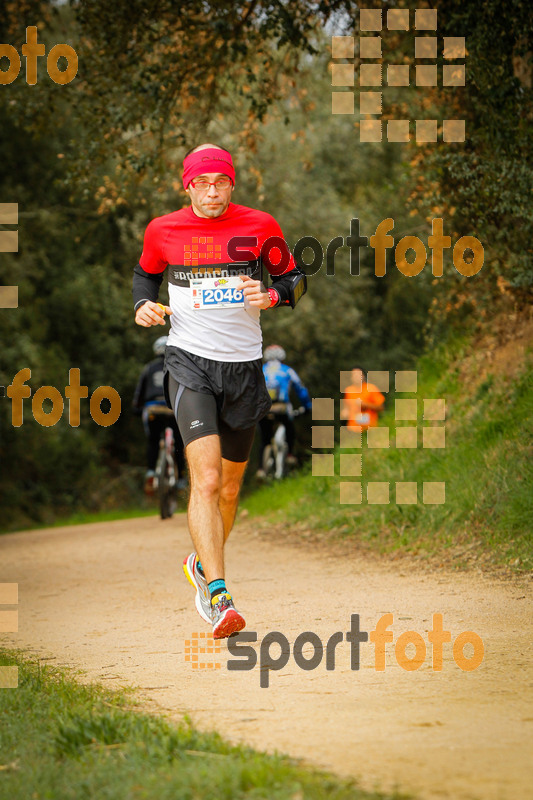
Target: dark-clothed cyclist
{"x": 149, "y": 401}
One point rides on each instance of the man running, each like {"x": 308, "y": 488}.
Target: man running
{"x": 213, "y": 252}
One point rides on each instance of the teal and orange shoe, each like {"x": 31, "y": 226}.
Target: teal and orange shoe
{"x": 225, "y": 617}
{"x": 196, "y": 579}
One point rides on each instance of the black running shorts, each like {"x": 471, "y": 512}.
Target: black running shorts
{"x": 208, "y": 397}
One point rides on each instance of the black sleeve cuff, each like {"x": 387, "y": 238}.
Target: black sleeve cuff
{"x": 145, "y": 286}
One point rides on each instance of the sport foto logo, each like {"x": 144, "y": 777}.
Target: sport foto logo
{"x": 18, "y": 390}
{"x": 9, "y": 243}
{"x": 275, "y": 251}
{"x": 379, "y": 637}
{"x": 31, "y": 50}
{"x": 198, "y": 647}
{"x": 405, "y": 434}
{"x": 371, "y": 73}
{"x": 201, "y": 646}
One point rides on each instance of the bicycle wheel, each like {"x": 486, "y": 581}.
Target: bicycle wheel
{"x": 269, "y": 462}
{"x": 167, "y": 487}
{"x": 281, "y": 449}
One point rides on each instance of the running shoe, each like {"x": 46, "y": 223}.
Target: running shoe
{"x": 195, "y": 577}
{"x": 225, "y": 617}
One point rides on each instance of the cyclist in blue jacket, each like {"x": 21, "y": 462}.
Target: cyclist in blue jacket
{"x": 280, "y": 381}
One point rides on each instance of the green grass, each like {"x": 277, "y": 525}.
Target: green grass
{"x": 64, "y": 741}
{"x": 486, "y": 464}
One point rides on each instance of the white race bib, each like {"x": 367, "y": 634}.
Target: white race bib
{"x": 216, "y": 293}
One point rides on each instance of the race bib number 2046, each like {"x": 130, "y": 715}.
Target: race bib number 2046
{"x": 216, "y": 293}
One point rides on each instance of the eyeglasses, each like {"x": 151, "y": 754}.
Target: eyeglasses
{"x": 202, "y": 185}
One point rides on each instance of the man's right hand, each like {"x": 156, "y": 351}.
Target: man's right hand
{"x": 151, "y": 314}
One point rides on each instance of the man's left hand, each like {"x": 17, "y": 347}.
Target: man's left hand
{"x": 255, "y": 293}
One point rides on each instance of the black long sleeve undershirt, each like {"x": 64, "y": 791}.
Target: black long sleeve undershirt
{"x": 145, "y": 286}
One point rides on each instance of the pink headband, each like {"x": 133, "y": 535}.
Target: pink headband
{"x": 209, "y": 160}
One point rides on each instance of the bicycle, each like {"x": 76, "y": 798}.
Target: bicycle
{"x": 274, "y": 460}
{"x": 165, "y": 475}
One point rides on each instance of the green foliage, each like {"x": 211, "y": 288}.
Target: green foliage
{"x": 486, "y": 184}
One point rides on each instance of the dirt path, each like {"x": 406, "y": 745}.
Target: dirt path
{"x": 112, "y": 599}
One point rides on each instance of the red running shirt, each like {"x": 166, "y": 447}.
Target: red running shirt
{"x": 188, "y": 246}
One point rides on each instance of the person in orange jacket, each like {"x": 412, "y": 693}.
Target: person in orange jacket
{"x": 362, "y": 403}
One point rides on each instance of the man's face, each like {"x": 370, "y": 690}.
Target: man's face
{"x": 212, "y": 202}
